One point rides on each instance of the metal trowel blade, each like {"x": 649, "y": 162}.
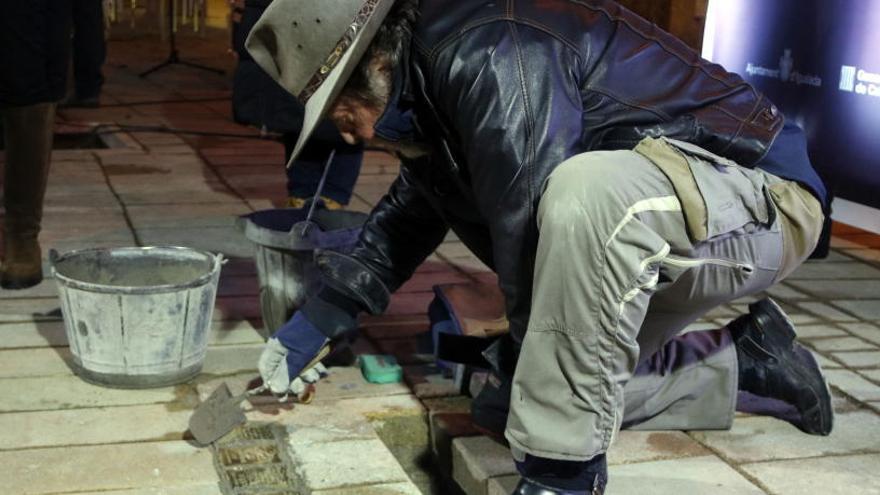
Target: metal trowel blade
{"x": 217, "y": 416}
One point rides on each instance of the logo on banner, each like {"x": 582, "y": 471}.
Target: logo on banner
{"x": 847, "y": 78}
{"x": 785, "y": 72}
{"x": 859, "y": 81}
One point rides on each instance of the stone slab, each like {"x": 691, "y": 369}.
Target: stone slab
{"x": 807, "y": 332}
{"x": 93, "y": 426}
{"x": 853, "y": 385}
{"x": 406, "y": 488}
{"x": 834, "y": 271}
{"x": 690, "y": 476}
{"x": 105, "y": 467}
{"x": 785, "y": 292}
{"x": 224, "y": 240}
{"x": 503, "y": 485}
{"x": 764, "y": 438}
{"x": 71, "y": 392}
{"x": 477, "y": 459}
{"x": 195, "y": 489}
{"x": 825, "y": 311}
{"x": 841, "y": 344}
{"x": 859, "y": 359}
{"x": 866, "y": 331}
{"x": 836, "y": 475}
{"x": 345, "y": 463}
{"x": 642, "y": 446}
{"x": 865, "y": 309}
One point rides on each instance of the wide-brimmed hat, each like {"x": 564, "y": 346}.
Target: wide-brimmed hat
{"x": 311, "y": 47}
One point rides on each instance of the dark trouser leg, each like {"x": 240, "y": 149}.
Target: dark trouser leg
{"x": 304, "y": 174}
{"x": 28, "y": 137}
{"x": 89, "y": 48}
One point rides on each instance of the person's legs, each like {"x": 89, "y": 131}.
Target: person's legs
{"x": 304, "y": 174}
{"x": 593, "y": 315}
{"x": 28, "y": 137}
{"x": 89, "y": 50}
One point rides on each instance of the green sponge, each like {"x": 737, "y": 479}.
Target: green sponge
{"x": 380, "y": 368}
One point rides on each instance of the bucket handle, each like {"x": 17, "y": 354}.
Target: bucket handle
{"x": 54, "y": 256}
{"x": 317, "y": 196}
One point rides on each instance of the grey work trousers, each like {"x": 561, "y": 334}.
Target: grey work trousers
{"x": 633, "y": 247}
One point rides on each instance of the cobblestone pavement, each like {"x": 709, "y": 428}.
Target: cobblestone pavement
{"x": 59, "y": 434}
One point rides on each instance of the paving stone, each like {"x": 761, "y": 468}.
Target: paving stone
{"x": 825, "y": 363}
{"x": 32, "y": 334}
{"x": 839, "y": 475}
{"x": 344, "y": 463}
{"x": 477, "y": 459}
{"x": 237, "y": 308}
{"x": 853, "y": 385}
{"x": 92, "y": 426}
{"x": 864, "y": 254}
{"x": 872, "y": 374}
{"x": 785, "y": 292}
{"x": 198, "y": 489}
{"x": 764, "y": 438}
{"x": 840, "y": 289}
{"x": 71, "y": 392}
{"x": 802, "y": 318}
{"x": 203, "y": 215}
{"x": 17, "y": 310}
{"x": 35, "y": 362}
{"x": 227, "y": 360}
{"x": 503, "y": 485}
{"x": 406, "y": 488}
{"x": 641, "y": 446}
{"x": 807, "y": 332}
{"x": 690, "y": 476}
{"x": 859, "y": 359}
{"x": 105, "y": 467}
{"x": 840, "y": 344}
{"x": 866, "y": 309}
{"x": 834, "y": 272}
{"x": 867, "y": 331}
{"x": 825, "y": 311}
{"x": 224, "y": 240}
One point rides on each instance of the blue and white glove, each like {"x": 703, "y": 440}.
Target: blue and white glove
{"x": 288, "y": 352}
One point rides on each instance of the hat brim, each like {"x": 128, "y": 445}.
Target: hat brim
{"x": 324, "y": 97}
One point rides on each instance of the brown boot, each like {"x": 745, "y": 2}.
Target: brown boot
{"x": 23, "y": 263}
{"x": 28, "y": 138}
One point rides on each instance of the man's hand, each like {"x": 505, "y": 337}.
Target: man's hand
{"x": 287, "y": 355}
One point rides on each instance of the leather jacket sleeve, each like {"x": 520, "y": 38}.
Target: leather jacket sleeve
{"x": 519, "y": 112}
{"x": 402, "y": 230}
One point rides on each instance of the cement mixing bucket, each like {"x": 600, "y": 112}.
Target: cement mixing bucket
{"x": 285, "y": 245}
{"x": 137, "y": 317}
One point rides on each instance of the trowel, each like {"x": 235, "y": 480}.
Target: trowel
{"x": 221, "y": 413}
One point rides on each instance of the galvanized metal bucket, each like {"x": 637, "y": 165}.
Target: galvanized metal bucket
{"x": 137, "y": 317}
{"x": 285, "y": 244}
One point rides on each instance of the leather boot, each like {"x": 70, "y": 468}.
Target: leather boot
{"x": 772, "y": 364}
{"x": 530, "y": 487}
{"x": 28, "y": 137}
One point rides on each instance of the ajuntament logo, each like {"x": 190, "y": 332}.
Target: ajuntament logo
{"x": 785, "y": 72}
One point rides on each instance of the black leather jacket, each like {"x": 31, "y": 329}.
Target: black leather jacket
{"x": 505, "y": 91}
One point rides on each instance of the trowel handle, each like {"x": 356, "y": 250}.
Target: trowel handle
{"x": 318, "y": 192}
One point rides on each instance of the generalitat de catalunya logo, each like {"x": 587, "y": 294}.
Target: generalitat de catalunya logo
{"x": 859, "y": 81}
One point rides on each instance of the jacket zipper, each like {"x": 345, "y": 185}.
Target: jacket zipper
{"x": 745, "y": 268}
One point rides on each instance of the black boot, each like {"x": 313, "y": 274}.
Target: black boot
{"x": 772, "y": 364}
{"x": 490, "y": 408}
{"x": 529, "y": 487}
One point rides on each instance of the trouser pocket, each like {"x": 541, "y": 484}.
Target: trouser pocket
{"x": 717, "y": 195}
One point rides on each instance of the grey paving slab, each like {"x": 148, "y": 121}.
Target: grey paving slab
{"x": 690, "y": 476}
{"x": 841, "y": 344}
{"x": 808, "y": 332}
{"x": 406, "y": 488}
{"x": 345, "y": 463}
{"x": 840, "y": 289}
{"x": 867, "y": 309}
{"x": 204, "y": 488}
{"x": 825, "y": 311}
{"x": 91, "y": 426}
{"x": 71, "y": 392}
{"x": 785, "y": 292}
{"x": 503, "y": 485}
{"x": 100, "y": 468}
{"x": 872, "y": 374}
{"x": 764, "y": 438}
{"x": 195, "y": 215}
{"x": 866, "y": 331}
{"x": 477, "y": 459}
{"x": 833, "y": 272}
{"x": 641, "y": 446}
{"x": 837, "y": 475}
{"x": 859, "y": 359}
{"x": 864, "y": 254}
{"x": 852, "y": 384}
{"x": 217, "y": 194}
{"x": 35, "y": 362}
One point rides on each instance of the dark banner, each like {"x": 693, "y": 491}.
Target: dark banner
{"x": 819, "y": 61}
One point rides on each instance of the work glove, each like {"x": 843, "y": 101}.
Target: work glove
{"x": 286, "y": 363}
